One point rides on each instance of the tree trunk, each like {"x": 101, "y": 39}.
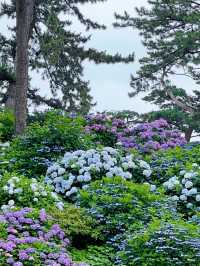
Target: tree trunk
{"x": 188, "y": 134}
{"x": 10, "y": 99}
{"x": 24, "y": 17}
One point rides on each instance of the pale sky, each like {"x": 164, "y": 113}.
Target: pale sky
{"x": 109, "y": 83}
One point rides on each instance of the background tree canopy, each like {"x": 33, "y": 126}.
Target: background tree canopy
{"x": 57, "y": 52}
{"x": 170, "y": 31}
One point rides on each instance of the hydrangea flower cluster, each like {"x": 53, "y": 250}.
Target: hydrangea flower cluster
{"x": 21, "y": 191}
{"x": 78, "y": 168}
{"x": 185, "y": 189}
{"x": 102, "y": 122}
{"x": 151, "y": 136}
{"x": 25, "y": 240}
{"x": 144, "y": 137}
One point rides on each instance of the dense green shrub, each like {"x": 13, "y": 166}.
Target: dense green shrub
{"x": 77, "y": 224}
{"x": 94, "y": 255}
{"x": 163, "y": 243}
{"x": 30, "y": 153}
{"x": 165, "y": 164}
{"x": 6, "y": 125}
{"x": 120, "y": 206}
{"x": 184, "y": 189}
{"x": 21, "y": 191}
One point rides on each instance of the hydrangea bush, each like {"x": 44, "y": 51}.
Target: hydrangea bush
{"x": 77, "y": 169}
{"x": 145, "y": 137}
{"x": 170, "y": 243}
{"x": 104, "y": 128}
{"x": 121, "y": 207}
{"x": 29, "y": 238}
{"x": 30, "y": 153}
{"x": 185, "y": 189}
{"x": 20, "y": 191}
{"x": 151, "y": 136}
{"x": 170, "y": 162}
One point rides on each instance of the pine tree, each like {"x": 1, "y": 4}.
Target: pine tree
{"x": 170, "y": 31}
{"x": 177, "y": 118}
{"x": 57, "y": 52}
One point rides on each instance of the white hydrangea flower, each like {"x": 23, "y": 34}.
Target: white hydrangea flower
{"x": 147, "y": 173}
{"x": 127, "y": 175}
{"x": 18, "y": 191}
{"x": 54, "y": 195}
{"x": 60, "y": 205}
{"x": 175, "y": 198}
{"x": 189, "y": 205}
{"x": 171, "y": 185}
{"x": 188, "y": 175}
{"x": 61, "y": 171}
{"x": 144, "y": 164}
{"x": 85, "y": 187}
{"x": 11, "y": 191}
{"x": 197, "y": 198}
{"x": 109, "y": 174}
{"x": 165, "y": 184}
{"x": 125, "y": 165}
{"x": 192, "y": 192}
{"x": 15, "y": 179}
{"x": 35, "y": 199}
{"x": 34, "y": 187}
{"x": 131, "y": 164}
{"x": 153, "y": 188}
{"x": 73, "y": 190}
{"x": 44, "y": 193}
{"x": 188, "y": 184}
{"x": 184, "y": 180}
{"x": 80, "y": 178}
{"x": 183, "y": 197}
{"x": 11, "y": 203}
{"x": 182, "y": 172}
{"x": 185, "y": 191}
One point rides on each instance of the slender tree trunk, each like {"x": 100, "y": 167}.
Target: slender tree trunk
{"x": 10, "y": 101}
{"x": 188, "y": 134}
{"x": 24, "y": 17}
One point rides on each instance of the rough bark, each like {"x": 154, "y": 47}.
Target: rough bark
{"x": 24, "y": 17}
{"x": 188, "y": 134}
{"x": 10, "y": 97}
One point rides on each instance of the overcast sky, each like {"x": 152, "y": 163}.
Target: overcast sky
{"x": 109, "y": 83}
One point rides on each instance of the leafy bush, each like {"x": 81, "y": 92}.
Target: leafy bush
{"x": 165, "y": 164}
{"x": 77, "y": 224}
{"x": 145, "y": 137}
{"x": 78, "y": 168}
{"x": 30, "y": 154}
{"x": 6, "y": 125}
{"x": 185, "y": 189}
{"x": 30, "y": 238}
{"x": 120, "y": 206}
{"x": 163, "y": 244}
{"x": 94, "y": 255}
{"x": 20, "y": 191}
{"x": 148, "y": 137}
{"x": 104, "y": 128}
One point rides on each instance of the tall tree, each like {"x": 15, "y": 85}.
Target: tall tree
{"x": 58, "y": 52}
{"x": 177, "y": 118}
{"x": 24, "y": 19}
{"x": 170, "y": 31}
